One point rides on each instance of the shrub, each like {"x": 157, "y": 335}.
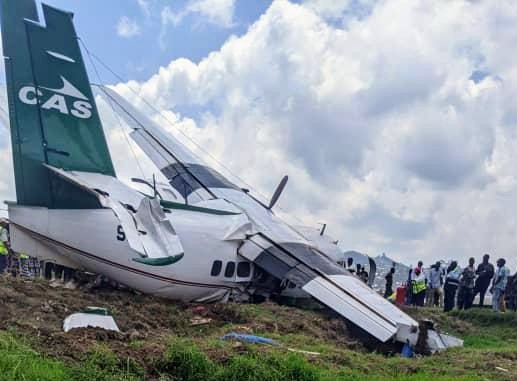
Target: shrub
{"x": 268, "y": 367}
{"x": 184, "y": 362}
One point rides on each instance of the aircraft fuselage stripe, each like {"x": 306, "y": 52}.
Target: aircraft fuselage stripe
{"x": 121, "y": 266}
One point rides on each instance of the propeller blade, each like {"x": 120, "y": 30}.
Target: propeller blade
{"x": 278, "y": 192}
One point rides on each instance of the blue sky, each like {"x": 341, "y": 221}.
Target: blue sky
{"x": 140, "y": 56}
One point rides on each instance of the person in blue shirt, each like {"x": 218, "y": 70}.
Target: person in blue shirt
{"x": 499, "y": 285}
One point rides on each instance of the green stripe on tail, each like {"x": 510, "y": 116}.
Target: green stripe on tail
{"x": 53, "y": 115}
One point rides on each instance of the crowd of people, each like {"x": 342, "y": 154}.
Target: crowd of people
{"x": 357, "y": 269}
{"x": 452, "y": 286}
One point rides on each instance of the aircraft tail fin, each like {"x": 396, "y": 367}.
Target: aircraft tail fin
{"x": 53, "y": 115}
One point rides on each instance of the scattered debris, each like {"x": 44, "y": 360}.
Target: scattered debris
{"x": 407, "y": 351}
{"x": 148, "y": 324}
{"x": 239, "y": 337}
{"x": 244, "y": 328}
{"x": 199, "y": 310}
{"x": 501, "y": 369}
{"x": 249, "y": 338}
{"x": 200, "y": 321}
{"x": 95, "y": 317}
{"x": 304, "y": 352}
{"x": 428, "y": 340}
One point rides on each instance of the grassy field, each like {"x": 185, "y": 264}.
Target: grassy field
{"x": 164, "y": 345}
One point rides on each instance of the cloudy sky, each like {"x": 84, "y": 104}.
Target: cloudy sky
{"x": 396, "y": 120}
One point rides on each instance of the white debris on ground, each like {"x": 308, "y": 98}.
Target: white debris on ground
{"x": 93, "y": 317}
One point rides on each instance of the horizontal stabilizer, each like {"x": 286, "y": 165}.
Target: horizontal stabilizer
{"x": 144, "y": 223}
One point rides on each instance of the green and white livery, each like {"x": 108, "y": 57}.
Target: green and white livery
{"x": 210, "y": 242}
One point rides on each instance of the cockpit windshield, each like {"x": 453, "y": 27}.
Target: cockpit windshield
{"x": 188, "y": 178}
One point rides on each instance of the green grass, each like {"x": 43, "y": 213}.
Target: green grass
{"x": 490, "y": 342}
{"x": 183, "y": 361}
{"x": 487, "y": 318}
{"x": 20, "y": 362}
{"x": 488, "y": 329}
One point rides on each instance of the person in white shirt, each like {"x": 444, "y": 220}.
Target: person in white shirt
{"x": 434, "y": 296}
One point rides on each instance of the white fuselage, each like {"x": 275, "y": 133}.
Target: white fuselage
{"x": 89, "y": 239}
{"x": 92, "y": 240}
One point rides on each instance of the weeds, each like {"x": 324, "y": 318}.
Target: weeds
{"x": 169, "y": 348}
{"x": 184, "y": 362}
{"x": 19, "y": 362}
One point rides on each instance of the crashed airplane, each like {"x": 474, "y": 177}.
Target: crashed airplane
{"x": 200, "y": 238}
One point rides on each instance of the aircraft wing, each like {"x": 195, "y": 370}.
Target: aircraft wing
{"x": 330, "y": 284}
{"x": 270, "y": 244}
{"x": 186, "y": 173}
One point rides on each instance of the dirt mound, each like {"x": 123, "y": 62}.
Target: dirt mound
{"x": 36, "y": 310}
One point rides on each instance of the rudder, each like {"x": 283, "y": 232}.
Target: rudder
{"x": 53, "y": 115}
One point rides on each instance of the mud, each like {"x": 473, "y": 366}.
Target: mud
{"x": 36, "y": 311}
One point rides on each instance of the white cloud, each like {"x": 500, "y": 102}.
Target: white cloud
{"x": 169, "y": 17}
{"x": 127, "y": 27}
{"x": 2, "y": 63}
{"x": 377, "y": 122}
{"x": 215, "y": 12}
{"x": 7, "y": 173}
{"x": 145, "y": 7}
{"x": 328, "y": 8}
{"x": 218, "y": 12}
{"x": 335, "y": 9}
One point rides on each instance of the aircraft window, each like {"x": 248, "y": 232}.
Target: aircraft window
{"x": 243, "y": 269}
{"x": 188, "y": 178}
{"x": 216, "y": 268}
{"x": 230, "y": 270}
